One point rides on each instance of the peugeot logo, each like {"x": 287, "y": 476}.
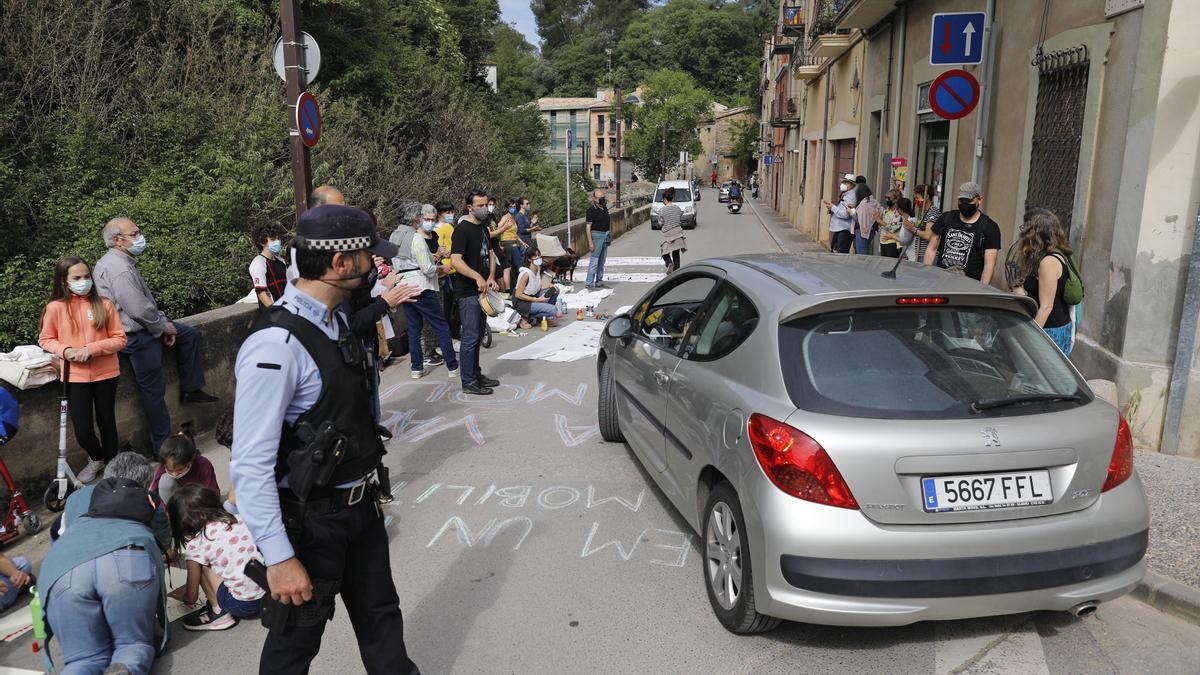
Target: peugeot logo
{"x": 991, "y": 437}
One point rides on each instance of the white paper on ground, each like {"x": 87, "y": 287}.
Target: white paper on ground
{"x": 504, "y": 321}
{"x": 578, "y": 340}
{"x": 634, "y": 277}
{"x": 16, "y": 623}
{"x": 582, "y": 299}
{"x": 636, "y": 261}
{"x": 175, "y": 608}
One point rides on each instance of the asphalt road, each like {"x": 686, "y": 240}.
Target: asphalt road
{"x": 523, "y": 543}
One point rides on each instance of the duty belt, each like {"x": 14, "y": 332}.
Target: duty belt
{"x": 327, "y": 500}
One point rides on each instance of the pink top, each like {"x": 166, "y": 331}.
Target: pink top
{"x": 226, "y": 549}
{"x": 58, "y": 334}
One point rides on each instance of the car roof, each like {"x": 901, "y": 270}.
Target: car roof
{"x": 673, "y": 183}
{"x": 823, "y": 273}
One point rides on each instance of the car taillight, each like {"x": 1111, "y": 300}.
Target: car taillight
{"x": 797, "y": 464}
{"x": 922, "y": 300}
{"x": 1120, "y": 467}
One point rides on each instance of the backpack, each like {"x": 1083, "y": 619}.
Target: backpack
{"x": 1073, "y": 288}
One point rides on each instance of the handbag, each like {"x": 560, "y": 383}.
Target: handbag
{"x": 1073, "y": 288}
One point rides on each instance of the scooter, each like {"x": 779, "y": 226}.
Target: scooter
{"x": 65, "y": 481}
{"x": 735, "y": 206}
{"x": 17, "y": 509}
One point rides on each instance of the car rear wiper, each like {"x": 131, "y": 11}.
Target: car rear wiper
{"x": 988, "y": 403}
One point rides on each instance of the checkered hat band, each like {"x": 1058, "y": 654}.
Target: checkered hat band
{"x": 348, "y": 244}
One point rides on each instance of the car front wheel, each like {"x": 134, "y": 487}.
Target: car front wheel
{"x": 727, "y": 572}
{"x": 610, "y": 428}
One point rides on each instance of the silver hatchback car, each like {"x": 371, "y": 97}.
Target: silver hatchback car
{"x": 861, "y": 450}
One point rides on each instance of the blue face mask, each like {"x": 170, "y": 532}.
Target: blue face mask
{"x": 448, "y": 218}
{"x": 138, "y": 245}
{"x": 275, "y": 246}
{"x": 428, "y": 225}
{"x": 512, "y": 210}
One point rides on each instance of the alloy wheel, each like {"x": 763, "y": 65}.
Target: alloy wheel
{"x": 723, "y": 555}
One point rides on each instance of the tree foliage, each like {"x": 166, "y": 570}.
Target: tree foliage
{"x": 170, "y": 112}
{"x": 672, "y": 108}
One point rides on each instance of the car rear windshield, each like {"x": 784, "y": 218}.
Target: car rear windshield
{"x": 924, "y": 363}
{"x": 681, "y": 195}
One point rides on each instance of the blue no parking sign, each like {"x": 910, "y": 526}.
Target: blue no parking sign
{"x": 954, "y": 94}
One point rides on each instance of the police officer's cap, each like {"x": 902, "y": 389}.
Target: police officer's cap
{"x": 336, "y": 227}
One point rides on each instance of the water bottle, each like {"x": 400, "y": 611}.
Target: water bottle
{"x": 545, "y": 326}
{"x": 39, "y": 627}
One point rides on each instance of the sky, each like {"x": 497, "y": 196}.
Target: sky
{"x": 518, "y": 13}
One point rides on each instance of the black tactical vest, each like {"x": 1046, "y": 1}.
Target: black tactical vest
{"x": 344, "y": 402}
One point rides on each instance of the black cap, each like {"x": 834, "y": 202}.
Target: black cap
{"x": 336, "y": 227}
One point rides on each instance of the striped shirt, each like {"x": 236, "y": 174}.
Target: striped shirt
{"x": 922, "y": 245}
{"x": 672, "y": 227}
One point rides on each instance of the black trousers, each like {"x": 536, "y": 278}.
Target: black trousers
{"x": 93, "y": 404}
{"x": 671, "y": 258}
{"x": 350, "y": 545}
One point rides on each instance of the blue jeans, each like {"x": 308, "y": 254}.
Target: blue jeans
{"x": 862, "y": 245}
{"x": 428, "y": 308}
{"x": 595, "y": 273}
{"x": 238, "y": 609}
{"x": 1061, "y": 337}
{"x": 518, "y": 258}
{"x": 145, "y": 354}
{"x": 103, "y": 612}
{"x": 474, "y": 323}
{"x": 7, "y": 600}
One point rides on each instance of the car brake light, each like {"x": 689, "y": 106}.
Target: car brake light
{"x": 797, "y": 464}
{"x": 922, "y": 300}
{"x": 1120, "y": 467}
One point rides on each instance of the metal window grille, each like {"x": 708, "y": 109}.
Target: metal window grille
{"x": 1057, "y": 131}
{"x": 804, "y": 169}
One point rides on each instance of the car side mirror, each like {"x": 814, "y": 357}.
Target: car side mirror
{"x": 620, "y": 328}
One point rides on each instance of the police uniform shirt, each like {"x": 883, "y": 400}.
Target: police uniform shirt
{"x": 277, "y": 381}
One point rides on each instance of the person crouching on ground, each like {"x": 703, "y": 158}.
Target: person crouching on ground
{"x": 85, "y": 329}
{"x": 530, "y": 299}
{"x": 216, "y": 545}
{"x": 182, "y": 465}
{"x": 102, "y": 581}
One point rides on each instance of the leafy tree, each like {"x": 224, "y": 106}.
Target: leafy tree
{"x": 745, "y": 143}
{"x": 673, "y": 106}
{"x": 516, "y": 62}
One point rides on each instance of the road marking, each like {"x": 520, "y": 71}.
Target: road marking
{"x": 977, "y": 647}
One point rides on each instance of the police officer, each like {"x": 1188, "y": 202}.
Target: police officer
{"x": 305, "y": 454}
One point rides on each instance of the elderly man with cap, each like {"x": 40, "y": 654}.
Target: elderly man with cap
{"x": 841, "y": 221}
{"x": 306, "y": 452}
{"x": 966, "y": 240}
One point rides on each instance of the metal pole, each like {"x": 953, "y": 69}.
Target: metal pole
{"x": 296, "y": 82}
{"x": 568, "y": 178}
{"x": 1185, "y": 348}
{"x": 897, "y": 106}
{"x": 985, "y": 93}
{"x": 620, "y": 123}
{"x": 662, "y": 155}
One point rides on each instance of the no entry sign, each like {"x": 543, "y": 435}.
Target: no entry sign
{"x": 954, "y": 94}
{"x": 308, "y": 119}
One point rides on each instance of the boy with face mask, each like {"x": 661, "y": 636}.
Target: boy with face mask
{"x": 268, "y": 272}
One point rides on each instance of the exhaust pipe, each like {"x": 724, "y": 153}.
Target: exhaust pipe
{"x": 1085, "y": 609}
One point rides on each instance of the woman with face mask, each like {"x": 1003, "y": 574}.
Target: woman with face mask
{"x": 85, "y": 330}
{"x": 532, "y": 298}
{"x": 505, "y": 233}
{"x": 268, "y": 271}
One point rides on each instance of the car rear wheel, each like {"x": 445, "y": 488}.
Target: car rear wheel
{"x": 727, "y": 572}
{"x": 610, "y": 429}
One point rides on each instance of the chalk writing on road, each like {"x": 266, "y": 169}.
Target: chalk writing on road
{"x": 506, "y": 394}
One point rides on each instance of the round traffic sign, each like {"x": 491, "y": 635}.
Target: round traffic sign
{"x": 312, "y": 59}
{"x": 308, "y": 119}
{"x": 954, "y": 94}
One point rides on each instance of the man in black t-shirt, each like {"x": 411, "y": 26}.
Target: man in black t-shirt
{"x": 966, "y": 240}
{"x": 472, "y": 258}
{"x": 598, "y": 225}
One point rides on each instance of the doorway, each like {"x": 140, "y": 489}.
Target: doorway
{"x": 843, "y": 163}
{"x": 932, "y": 149}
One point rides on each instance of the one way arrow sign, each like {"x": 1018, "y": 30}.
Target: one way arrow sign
{"x": 957, "y": 38}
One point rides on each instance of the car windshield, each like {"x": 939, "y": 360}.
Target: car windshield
{"x": 925, "y": 363}
{"x": 681, "y": 195}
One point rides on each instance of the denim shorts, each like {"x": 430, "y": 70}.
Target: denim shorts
{"x": 239, "y": 609}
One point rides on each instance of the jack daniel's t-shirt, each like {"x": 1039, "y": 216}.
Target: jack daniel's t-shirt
{"x": 962, "y": 244}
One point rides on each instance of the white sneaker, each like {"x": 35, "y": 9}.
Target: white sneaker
{"x": 417, "y": 374}
{"x": 452, "y": 373}
{"x": 91, "y": 472}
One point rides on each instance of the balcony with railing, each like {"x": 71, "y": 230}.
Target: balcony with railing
{"x": 863, "y": 14}
{"x": 826, "y": 39}
{"x": 805, "y": 67}
{"x": 785, "y": 113}
{"x": 792, "y": 24}
{"x": 781, "y": 44}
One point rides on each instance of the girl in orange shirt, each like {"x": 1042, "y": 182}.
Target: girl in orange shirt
{"x": 85, "y": 329}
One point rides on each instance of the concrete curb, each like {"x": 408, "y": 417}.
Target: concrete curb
{"x": 1170, "y": 596}
{"x": 762, "y": 221}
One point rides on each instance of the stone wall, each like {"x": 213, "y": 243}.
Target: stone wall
{"x": 30, "y": 456}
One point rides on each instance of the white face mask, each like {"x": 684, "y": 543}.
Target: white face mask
{"x": 537, "y": 262}
{"x": 81, "y": 286}
{"x": 491, "y": 208}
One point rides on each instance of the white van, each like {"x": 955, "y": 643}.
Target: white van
{"x": 683, "y": 199}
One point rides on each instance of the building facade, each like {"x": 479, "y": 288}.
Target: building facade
{"x": 594, "y": 125}
{"x": 718, "y": 140}
{"x": 1089, "y": 108}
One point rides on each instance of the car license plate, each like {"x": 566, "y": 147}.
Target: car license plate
{"x": 978, "y": 492}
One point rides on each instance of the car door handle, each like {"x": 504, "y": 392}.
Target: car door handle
{"x": 662, "y": 377}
